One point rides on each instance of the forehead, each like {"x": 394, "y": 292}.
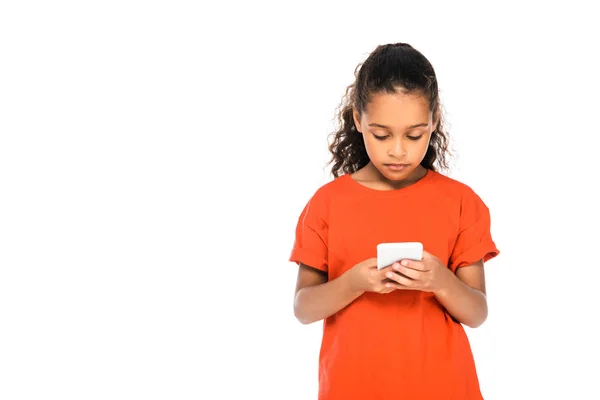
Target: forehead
{"x": 398, "y": 110}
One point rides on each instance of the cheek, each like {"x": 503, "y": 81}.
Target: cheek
{"x": 423, "y": 145}
{"x": 373, "y": 147}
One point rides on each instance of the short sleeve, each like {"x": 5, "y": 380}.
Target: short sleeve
{"x": 474, "y": 241}
{"x": 310, "y": 244}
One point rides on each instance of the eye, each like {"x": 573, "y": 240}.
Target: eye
{"x": 414, "y": 137}
{"x": 379, "y": 137}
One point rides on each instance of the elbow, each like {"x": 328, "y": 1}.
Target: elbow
{"x": 304, "y": 320}
{"x": 300, "y": 314}
{"x": 475, "y": 324}
{"x": 479, "y": 320}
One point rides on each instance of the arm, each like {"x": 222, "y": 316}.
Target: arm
{"x": 464, "y": 295}
{"x": 316, "y": 299}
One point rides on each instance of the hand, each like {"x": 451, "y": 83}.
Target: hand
{"x": 427, "y": 275}
{"x": 365, "y": 277}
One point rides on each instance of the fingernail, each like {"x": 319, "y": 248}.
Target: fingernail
{"x": 389, "y": 275}
{"x": 404, "y": 262}
{"x": 397, "y": 267}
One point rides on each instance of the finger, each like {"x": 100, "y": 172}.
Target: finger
{"x": 416, "y": 265}
{"x": 388, "y": 280}
{"x": 400, "y": 279}
{"x": 395, "y": 286}
{"x": 383, "y": 274}
{"x": 384, "y": 271}
{"x": 409, "y": 272}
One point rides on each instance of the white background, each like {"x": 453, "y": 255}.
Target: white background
{"x": 155, "y": 156}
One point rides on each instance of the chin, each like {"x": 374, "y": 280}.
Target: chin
{"x": 395, "y": 175}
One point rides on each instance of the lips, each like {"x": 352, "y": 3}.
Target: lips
{"x": 396, "y": 167}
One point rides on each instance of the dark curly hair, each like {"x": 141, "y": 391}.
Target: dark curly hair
{"x": 389, "y": 69}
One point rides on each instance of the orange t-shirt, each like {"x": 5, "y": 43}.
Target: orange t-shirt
{"x": 404, "y": 344}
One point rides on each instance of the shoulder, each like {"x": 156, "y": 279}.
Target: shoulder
{"x": 319, "y": 202}
{"x": 452, "y": 185}
{"x": 455, "y": 190}
{"x": 444, "y": 182}
{"x": 331, "y": 189}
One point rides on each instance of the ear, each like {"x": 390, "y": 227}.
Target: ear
{"x": 356, "y": 117}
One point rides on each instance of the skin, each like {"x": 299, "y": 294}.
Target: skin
{"x": 396, "y": 128}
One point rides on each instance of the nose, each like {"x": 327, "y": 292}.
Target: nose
{"x": 398, "y": 148}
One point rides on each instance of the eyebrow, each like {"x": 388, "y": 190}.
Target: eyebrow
{"x": 387, "y": 127}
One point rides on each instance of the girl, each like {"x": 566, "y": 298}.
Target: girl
{"x": 394, "y": 333}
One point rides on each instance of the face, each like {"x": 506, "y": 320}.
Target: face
{"x": 396, "y": 129}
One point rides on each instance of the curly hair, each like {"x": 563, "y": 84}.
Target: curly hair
{"x": 388, "y": 69}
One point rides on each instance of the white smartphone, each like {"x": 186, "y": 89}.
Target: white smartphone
{"x": 389, "y": 253}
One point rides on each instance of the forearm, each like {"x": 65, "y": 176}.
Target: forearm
{"x": 314, "y": 303}
{"x": 464, "y": 303}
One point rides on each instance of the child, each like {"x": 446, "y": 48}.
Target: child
{"x": 394, "y": 333}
